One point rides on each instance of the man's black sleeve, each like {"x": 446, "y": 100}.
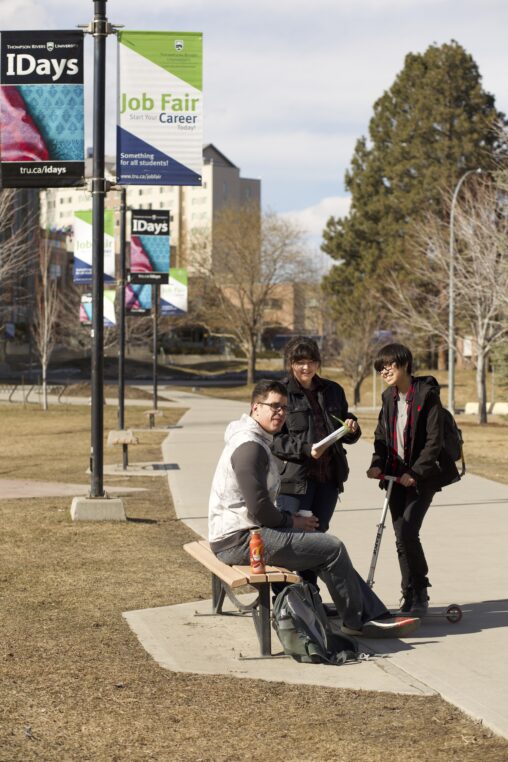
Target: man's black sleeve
{"x": 250, "y": 464}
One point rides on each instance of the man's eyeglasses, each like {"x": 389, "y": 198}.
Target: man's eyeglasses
{"x": 387, "y": 369}
{"x": 275, "y": 407}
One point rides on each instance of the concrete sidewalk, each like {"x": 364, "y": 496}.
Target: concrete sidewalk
{"x": 464, "y": 538}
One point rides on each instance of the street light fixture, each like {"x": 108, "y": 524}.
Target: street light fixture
{"x": 451, "y": 295}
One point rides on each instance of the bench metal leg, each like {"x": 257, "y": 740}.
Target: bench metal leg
{"x": 218, "y": 595}
{"x": 260, "y": 610}
{"x": 261, "y": 616}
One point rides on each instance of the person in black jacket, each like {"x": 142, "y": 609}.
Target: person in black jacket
{"x": 311, "y": 479}
{"x": 408, "y": 443}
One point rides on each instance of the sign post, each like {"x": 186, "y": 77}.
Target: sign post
{"x": 100, "y": 32}
{"x": 121, "y": 325}
{"x": 98, "y": 506}
{"x": 155, "y": 299}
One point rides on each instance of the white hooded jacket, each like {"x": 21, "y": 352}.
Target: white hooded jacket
{"x": 231, "y": 510}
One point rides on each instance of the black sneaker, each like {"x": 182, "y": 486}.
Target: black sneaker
{"x": 420, "y": 604}
{"x": 391, "y": 627}
{"x": 406, "y": 601}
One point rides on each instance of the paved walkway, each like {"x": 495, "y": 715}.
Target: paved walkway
{"x": 465, "y": 539}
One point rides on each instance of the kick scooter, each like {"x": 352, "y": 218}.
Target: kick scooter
{"x": 453, "y": 613}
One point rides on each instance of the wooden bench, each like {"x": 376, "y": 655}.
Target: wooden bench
{"x": 124, "y": 437}
{"x": 152, "y": 415}
{"x": 227, "y": 579}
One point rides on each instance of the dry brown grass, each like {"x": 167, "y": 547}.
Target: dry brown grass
{"x": 76, "y": 684}
{"x": 84, "y": 389}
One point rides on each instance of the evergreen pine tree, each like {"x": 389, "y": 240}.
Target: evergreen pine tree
{"x": 434, "y": 123}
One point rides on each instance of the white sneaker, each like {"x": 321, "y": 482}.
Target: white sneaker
{"x": 392, "y": 627}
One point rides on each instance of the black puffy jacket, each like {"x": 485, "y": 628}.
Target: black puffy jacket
{"x": 428, "y": 463}
{"x": 292, "y": 445}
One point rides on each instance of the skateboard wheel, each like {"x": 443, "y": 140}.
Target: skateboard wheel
{"x": 454, "y": 613}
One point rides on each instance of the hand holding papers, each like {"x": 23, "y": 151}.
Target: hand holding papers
{"x": 319, "y": 447}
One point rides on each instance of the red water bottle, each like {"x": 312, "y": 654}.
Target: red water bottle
{"x": 257, "y": 552}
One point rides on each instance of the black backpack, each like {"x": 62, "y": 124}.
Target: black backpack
{"x": 453, "y": 441}
{"x": 302, "y": 626}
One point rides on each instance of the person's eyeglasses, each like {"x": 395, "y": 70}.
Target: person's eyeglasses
{"x": 275, "y": 407}
{"x": 387, "y": 369}
{"x": 303, "y": 363}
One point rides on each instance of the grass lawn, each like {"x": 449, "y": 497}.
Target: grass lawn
{"x": 76, "y": 685}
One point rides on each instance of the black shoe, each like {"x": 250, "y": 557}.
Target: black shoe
{"x": 420, "y": 603}
{"x": 330, "y": 610}
{"x": 406, "y": 602}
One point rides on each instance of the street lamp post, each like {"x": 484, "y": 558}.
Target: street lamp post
{"x": 451, "y": 295}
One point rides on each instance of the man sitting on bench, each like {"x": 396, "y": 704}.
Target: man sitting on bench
{"x": 242, "y": 497}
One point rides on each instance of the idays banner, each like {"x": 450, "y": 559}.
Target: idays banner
{"x": 83, "y": 246}
{"x": 174, "y": 295}
{"x": 150, "y": 246}
{"x": 138, "y": 299}
{"x": 160, "y": 108}
{"x": 85, "y": 309}
{"x": 41, "y": 109}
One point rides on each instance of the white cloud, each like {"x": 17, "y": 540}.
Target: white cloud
{"x": 312, "y": 220}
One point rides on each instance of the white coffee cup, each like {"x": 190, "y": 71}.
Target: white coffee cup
{"x": 305, "y": 513}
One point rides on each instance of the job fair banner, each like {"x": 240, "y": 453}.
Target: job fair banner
{"x": 41, "y": 109}
{"x": 85, "y": 309}
{"x": 174, "y": 294}
{"x": 138, "y": 299}
{"x": 83, "y": 246}
{"x": 149, "y": 251}
{"x": 160, "y": 108}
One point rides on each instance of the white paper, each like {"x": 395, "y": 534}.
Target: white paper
{"x": 331, "y": 438}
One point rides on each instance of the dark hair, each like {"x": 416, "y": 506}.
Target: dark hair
{"x": 397, "y": 353}
{"x": 300, "y": 348}
{"x": 264, "y": 387}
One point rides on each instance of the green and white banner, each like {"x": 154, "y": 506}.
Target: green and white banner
{"x": 160, "y": 108}
{"x": 83, "y": 246}
{"x": 174, "y": 295}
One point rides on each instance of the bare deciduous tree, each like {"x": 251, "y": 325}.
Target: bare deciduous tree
{"x": 480, "y": 279}
{"x": 251, "y": 256}
{"x": 17, "y": 251}
{"x": 46, "y": 312}
{"x": 356, "y": 324}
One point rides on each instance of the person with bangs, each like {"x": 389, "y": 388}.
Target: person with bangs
{"x": 408, "y": 443}
{"x": 312, "y": 478}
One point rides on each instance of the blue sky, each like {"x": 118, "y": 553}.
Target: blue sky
{"x": 290, "y": 85}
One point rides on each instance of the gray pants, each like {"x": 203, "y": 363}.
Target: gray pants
{"x": 326, "y": 555}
